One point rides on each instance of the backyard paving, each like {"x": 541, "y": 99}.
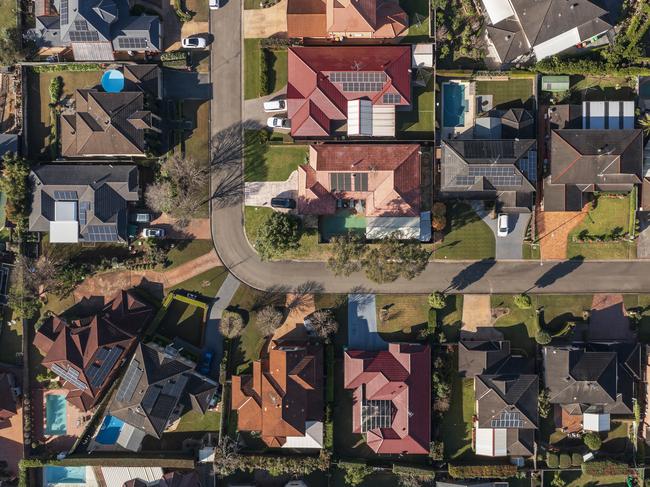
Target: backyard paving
{"x": 608, "y": 320}
{"x": 75, "y": 421}
{"x": 362, "y": 323}
{"x": 260, "y": 193}
{"x": 553, "y": 228}
{"x": 264, "y": 22}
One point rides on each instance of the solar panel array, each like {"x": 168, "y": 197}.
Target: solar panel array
{"x": 507, "y": 420}
{"x": 497, "y": 175}
{"x": 392, "y": 98}
{"x": 69, "y": 375}
{"x": 87, "y": 36}
{"x": 101, "y": 233}
{"x": 97, "y": 375}
{"x": 80, "y": 25}
{"x": 340, "y": 181}
{"x": 376, "y": 414}
{"x": 84, "y": 206}
{"x": 353, "y": 87}
{"x": 528, "y": 165}
{"x": 130, "y": 381}
{"x": 358, "y": 77}
{"x": 465, "y": 180}
{"x": 150, "y": 398}
{"x": 132, "y": 43}
{"x": 488, "y": 149}
{"x": 65, "y": 195}
{"x": 64, "y": 12}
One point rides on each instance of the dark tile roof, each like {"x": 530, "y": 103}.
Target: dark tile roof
{"x": 476, "y": 357}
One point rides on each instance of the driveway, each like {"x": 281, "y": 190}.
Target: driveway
{"x": 362, "y": 323}
{"x": 509, "y": 247}
{"x": 608, "y": 320}
{"x": 553, "y": 228}
{"x": 186, "y": 85}
{"x": 197, "y": 228}
{"x": 260, "y": 193}
{"x": 254, "y": 109}
{"x": 264, "y": 22}
{"x": 212, "y": 339}
{"x": 643, "y": 240}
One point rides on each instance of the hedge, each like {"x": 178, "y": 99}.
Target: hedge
{"x": 565, "y": 461}
{"x": 482, "y": 471}
{"x": 422, "y": 472}
{"x": 552, "y": 460}
{"x": 576, "y": 459}
{"x": 329, "y": 380}
{"x": 600, "y": 468}
{"x": 55, "y": 68}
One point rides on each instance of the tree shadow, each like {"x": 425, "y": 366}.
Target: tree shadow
{"x": 470, "y": 274}
{"x": 558, "y": 271}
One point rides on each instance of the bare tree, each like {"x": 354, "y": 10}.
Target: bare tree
{"x": 41, "y": 275}
{"x": 323, "y": 323}
{"x": 268, "y": 320}
{"x": 180, "y": 191}
{"x": 231, "y": 324}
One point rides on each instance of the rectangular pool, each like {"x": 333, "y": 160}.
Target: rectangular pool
{"x": 454, "y": 104}
{"x": 110, "y": 430}
{"x": 342, "y": 223}
{"x": 55, "y": 415}
{"x": 64, "y": 475}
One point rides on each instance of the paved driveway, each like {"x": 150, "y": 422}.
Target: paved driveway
{"x": 212, "y": 339}
{"x": 254, "y": 109}
{"x": 509, "y": 247}
{"x": 608, "y": 320}
{"x": 643, "y": 240}
{"x": 362, "y": 323}
{"x": 260, "y": 193}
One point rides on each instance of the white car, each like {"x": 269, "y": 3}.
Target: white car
{"x": 502, "y": 225}
{"x": 194, "y": 43}
{"x": 278, "y": 123}
{"x": 214, "y": 4}
{"x": 275, "y": 106}
{"x": 153, "y": 232}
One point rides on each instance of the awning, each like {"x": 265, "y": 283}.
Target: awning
{"x": 360, "y": 117}
{"x": 557, "y": 44}
{"x": 498, "y": 10}
{"x": 491, "y": 442}
{"x": 379, "y": 227}
{"x": 93, "y": 51}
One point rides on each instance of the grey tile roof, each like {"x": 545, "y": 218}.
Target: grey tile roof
{"x": 8, "y": 143}
{"x": 476, "y": 357}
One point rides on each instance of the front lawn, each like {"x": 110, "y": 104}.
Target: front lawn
{"x": 601, "y": 234}
{"x": 641, "y": 304}
{"x": 407, "y": 315}
{"x": 276, "y": 69}
{"x": 199, "y": 9}
{"x": 576, "y": 478}
{"x": 248, "y": 346}
{"x": 466, "y": 236}
{"x": 513, "y": 93}
{"x": 207, "y": 283}
{"x": 7, "y": 14}
{"x": 194, "y": 421}
{"x": 187, "y": 250}
{"x": 419, "y": 121}
{"x": 265, "y": 162}
{"x": 455, "y": 429}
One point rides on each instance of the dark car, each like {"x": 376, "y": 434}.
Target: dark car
{"x": 283, "y": 203}
{"x": 206, "y": 362}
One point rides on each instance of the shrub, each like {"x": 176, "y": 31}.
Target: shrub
{"x": 438, "y": 222}
{"x": 432, "y": 321}
{"x": 355, "y": 473}
{"x": 542, "y": 337}
{"x": 565, "y": 460}
{"x": 552, "y": 460}
{"x": 523, "y": 301}
{"x": 436, "y": 450}
{"x": 439, "y": 209}
{"x": 437, "y": 300}
{"x": 56, "y": 89}
{"x": 593, "y": 441}
{"x": 576, "y": 459}
{"x": 600, "y": 468}
{"x": 482, "y": 471}
{"x": 420, "y": 472}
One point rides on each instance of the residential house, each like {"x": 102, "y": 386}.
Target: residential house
{"x": 593, "y": 115}
{"x": 504, "y": 171}
{"x": 158, "y": 388}
{"x": 380, "y": 181}
{"x": 583, "y": 162}
{"x": 338, "y": 19}
{"x": 347, "y": 90}
{"x": 282, "y": 399}
{"x": 523, "y": 29}
{"x": 83, "y": 203}
{"x": 476, "y": 357}
{"x": 589, "y": 382}
{"x": 87, "y": 353}
{"x": 94, "y": 30}
{"x": 170, "y": 479}
{"x": 8, "y": 397}
{"x": 391, "y": 397}
{"x": 514, "y": 123}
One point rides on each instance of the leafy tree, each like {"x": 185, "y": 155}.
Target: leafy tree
{"x": 393, "y": 258}
{"x": 41, "y": 275}
{"x": 593, "y": 441}
{"x": 268, "y": 319}
{"x": 542, "y": 337}
{"x": 552, "y": 460}
{"x": 380, "y": 265}
{"x": 436, "y": 450}
{"x": 355, "y": 474}
{"x": 323, "y": 323}
{"x": 576, "y": 459}
{"x": 438, "y": 219}
{"x": 523, "y": 301}
{"x": 557, "y": 480}
{"x": 644, "y": 123}
{"x": 437, "y": 300}
{"x": 279, "y": 233}
{"x": 22, "y": 304}
{"x": 565, "y": 461}
{"x": 15, "y": 184}
{"x": 10, "y": 47}
{"x": 543, "y": 404}
{"x": 231, "y": 324}
{"x": 347, "y": 251}
{"x": 410, "y": 480}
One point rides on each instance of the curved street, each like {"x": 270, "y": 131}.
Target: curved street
{"x": 235, "y": 252}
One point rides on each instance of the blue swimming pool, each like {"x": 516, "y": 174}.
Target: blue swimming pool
{"x": 55, "y": 415}
{"x": 64, "y": 475}
{"x": 113, "y": 81}
{"x": 454, "y": 105}
{"x": 110, "y": 430}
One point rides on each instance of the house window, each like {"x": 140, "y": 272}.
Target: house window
{"x": 361, "y": 181}
{"x": 340, "y": 181}
{"x": 392, "y": 98}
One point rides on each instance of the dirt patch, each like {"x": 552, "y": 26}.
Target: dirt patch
{"x": 476, "y": 312}
{"x": 553, "y": 228}
{"x": 198, "y": 228}
{"x": 265, "y": 22}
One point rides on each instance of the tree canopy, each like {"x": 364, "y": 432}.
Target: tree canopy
{"x": 279, "y": 233}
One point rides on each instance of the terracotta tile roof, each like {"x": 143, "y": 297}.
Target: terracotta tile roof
{"x": 393, "y": 173}
{"x": 392, "y": 375}
{"x": 309, "y": 71}
{"x": 306, "y": 18}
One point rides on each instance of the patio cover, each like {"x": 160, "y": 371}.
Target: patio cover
{"x": 313, "y": 438}
{"x": 93, "y": 51}
{"x": 378, "y": 227}
{"x": 383, "y": 121}
{"x": 491, "y": 442}
{"x": 360, "y": 117}
{"x": 595, "y": 422}
{"x": 498, "y": 10}
{"x": 557, "y": 44}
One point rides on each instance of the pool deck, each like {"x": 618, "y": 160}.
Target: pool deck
{"x": 75, "y": 424}
{"x": 466, "y": 130}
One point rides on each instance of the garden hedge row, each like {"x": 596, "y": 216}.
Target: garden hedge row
{"x": 482, "y": 471}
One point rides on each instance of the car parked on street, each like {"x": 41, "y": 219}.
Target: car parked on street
{"x": 194, "y": 43}
{"x": 153, "y": 232}
{"x": 278, "y": 123}
{"x": 275, "y": 106}
{"x": 502, "y": 225}
{"x": 288, "y": 203}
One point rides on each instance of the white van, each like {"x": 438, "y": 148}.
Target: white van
{"x": 214, "y": 4}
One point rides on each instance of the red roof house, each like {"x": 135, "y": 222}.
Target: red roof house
{"x": 391, "y": 397}
{"x": 349, "y": 90}
{"x": 86, "y": 353}
{"x": 386, "y": 177}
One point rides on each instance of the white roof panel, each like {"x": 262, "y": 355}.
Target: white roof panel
{"x": 64, "y": 232}
{"x": 557, "y": 44}
{"x": 491, "y": 442}
{"x": 378, "y": 227}
{"x": 313, "y": 438}
{"x": 498, "y": 10}
{"x": 360, "y": 117}
{"x": 65, "y": 211}
{"x": 595, "y": 422}
{"x": 614, "y": 115}
{"x": 118, "y": 476}
{"x": 628, "y": 114}
{"x": 383, "y": 121}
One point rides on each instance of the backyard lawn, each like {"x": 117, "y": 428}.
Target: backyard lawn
{"x": 194, "y": 421}
{"x": 513, "y": 93}
{"x": 455, "y": 429}
{"x": 7, "y": 14}
{"x": 407, "y": 315}
{"x": 466, "y": 235}
{"x": 277, "y": 74}
{"x": 419, "y": 121}
{"x": 265, "y": 162}
{"x": 418, "y": 12}
{"x": 184, "y": 321}
{"x": 11, "y": 338}
{"x": 609, "y": 216}
{"x": 207, "y": 283}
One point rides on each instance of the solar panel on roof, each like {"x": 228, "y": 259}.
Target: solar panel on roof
{"x": 101, "y": 233}
{"x": 362, "y": 86}
{"x": 391, "y": 98}
{"x": 64, "y": 12}
{"x": 507, "y": 420}
{"x": 376, "y": 414}
{"x": 150, "y": 398}
{"x": 81, "y": 36}
{"x": 528, "y": 165}
{"x": 130, "y": 381}
{"x": 101, "y": 353}
{"x": 107, "y": 365}
{"x": 80, "y": 25}
{"x": 358, "y": 77}
{"x": 465, "y": 180}
{"x": 84, "y": 206}
{"x": 488, "y": 149}
{"x": 65, "y": 195}
{"x": 132, "y": 43}
{"x": 69, "y": 375}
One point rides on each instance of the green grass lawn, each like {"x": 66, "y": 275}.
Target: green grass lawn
{"x": 613, "y": 88}
{"x": 513, "y": 93}
{"x": 207, "y": 283}
{"x": 607, "y": 215}
{"x": 578, "y": 479}
{"x": 197, "y": 143}
{"x": 11, "y": 338}
{"x": 466, "y": 235}
{"x": 449, "y": 318}
{"x": 247, "y": 347}
{"x": 309, "y": 248}
{"x": 408, "y": 315}
{"x": 417, "y": 10}
{"x": 265, "y": 162}
{"x": 640, "y": 303}
{"x": 184, "y": 321}
{"x": 531, "y": 251}
{"x": 455, "y": 429}
{"x": 418, "y": 122}
{"x": 194, "y": 421}
{"x": 187, "y": 250}
{"x": 7, "y": 14}
{"x": 252, "y": 65}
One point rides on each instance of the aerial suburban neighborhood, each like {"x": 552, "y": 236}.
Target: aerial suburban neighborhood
{"x": 324, "y": 243}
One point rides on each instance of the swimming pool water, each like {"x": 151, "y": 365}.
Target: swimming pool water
{"x": 454, "y": 105}
{"x": 113, "y": 81}
{"x": 55, "y": 415}
{"x": 64, "y": 475}
{"x": 110, "y": 430}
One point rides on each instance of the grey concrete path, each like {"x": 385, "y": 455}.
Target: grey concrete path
{"x": 362, "y": 323}
{"x": 213, "y": 340}
{"x": 643, "y": 240}
{"x": 260, "y": 193}
{"x": 509, "y": 247}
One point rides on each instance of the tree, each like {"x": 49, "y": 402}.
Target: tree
{"x": 10, "y": 47}
{"x": 393, "y": 258}
{"x": 23, "y": 305}
{"x": 543, "y": 404}
{"x": 592, "y": 441}
{"x": 436, "y": 450}
{"x": 565, "y": 461}
{"x": 552, "y": 460}
{"x": 15, "y": 184}
{"x": 179, "y": 192}
{"x": 542, "y": 337}
{"x": 355, "y": 474}
{"x": 323, "y": 323}
{"x": 41, "y": 275}
{"x": 644, "y": 123}
{"x": 231, "y": 324}
{"x": 347, "y": 251}
{"x": 410, "y": 480}
{"x": 438, "y": 219}
{"x": 557, "y": 480}
{"x": 437, "y": 300}
{"x": 268, "y": 319}
{"x": 523, "y": 301}
{"x": 279, "y": 233}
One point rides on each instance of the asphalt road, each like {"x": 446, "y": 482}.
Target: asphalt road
{"x": 466, "y": 277}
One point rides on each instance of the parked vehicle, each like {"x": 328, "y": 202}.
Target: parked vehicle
{"x": 283, "y": 203}
{"x": 275, "y": 106}
{"x": 278, "y": 123}
{"x": 206, "y": 362}
{"x": 214, "y": 4}
{"x": 153, "y": 232}
{"x": 502, "y": 225}
{"x": 194, "y": 43}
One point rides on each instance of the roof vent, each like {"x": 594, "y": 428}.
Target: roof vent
{"x": 508, "y": 37}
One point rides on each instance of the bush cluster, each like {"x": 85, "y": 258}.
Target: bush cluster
{"x": 482, "y": 471}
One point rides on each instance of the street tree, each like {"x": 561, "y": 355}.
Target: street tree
{"x": 347, "y": 251}
{"x": 268, "y": 319}
{"x": 323, "y": 323}
{"x": 279, "y": 233}
{"x": 437, "y": 300}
